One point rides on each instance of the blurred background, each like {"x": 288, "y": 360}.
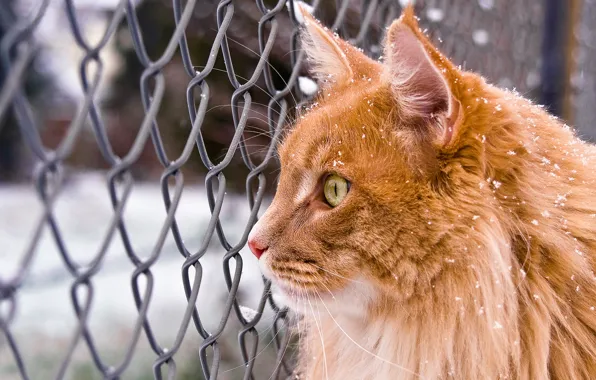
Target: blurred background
{"x": 544, "y": 49}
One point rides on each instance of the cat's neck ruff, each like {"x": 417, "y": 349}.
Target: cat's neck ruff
{"x": 345, "y": 340}
{"x": 380, "y": 350}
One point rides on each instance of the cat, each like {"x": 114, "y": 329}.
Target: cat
{"x": 428, "y": 225}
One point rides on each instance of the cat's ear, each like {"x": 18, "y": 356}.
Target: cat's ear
{"x": 419, "y": 76}
{"x": 326, "y": 52}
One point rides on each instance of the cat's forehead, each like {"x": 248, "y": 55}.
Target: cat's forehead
{"x": 336, "y": 128}
{"x": 352, "y": 142}
{"x": 308, "y": 144}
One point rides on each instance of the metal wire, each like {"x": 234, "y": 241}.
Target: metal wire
{"x": 500, "y": 39}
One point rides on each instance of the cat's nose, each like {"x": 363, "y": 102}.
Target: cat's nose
{"x": 257, "y": 248}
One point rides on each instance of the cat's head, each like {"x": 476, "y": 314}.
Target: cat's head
{"x": 360, "y": 200}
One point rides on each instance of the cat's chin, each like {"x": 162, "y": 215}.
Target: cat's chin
{"x": 353, "y": 301}
{"x": 294, "y": 297}
{"x": 303, "y": 303}
{"x": 299, "y": 301}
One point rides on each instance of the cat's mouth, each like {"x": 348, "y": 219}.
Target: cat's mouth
{"x": 294, "y": 291}
{"x": 314, "y": 293}
{"x": 293, "y": 288}
{"x": 289, "y": 287}
{"x": 300, "y": 299}
{"x": 351, "y": 300}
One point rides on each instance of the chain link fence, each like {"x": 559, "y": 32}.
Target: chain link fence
{"x": 501, "y": 39}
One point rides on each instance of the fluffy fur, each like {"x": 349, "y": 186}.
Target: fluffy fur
{"x": 466, "y": 246}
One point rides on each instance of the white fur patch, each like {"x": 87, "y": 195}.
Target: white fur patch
{"x": 305, "y": 187}
{"x": 264, "y": 267}
{"x": 298, "y": 7}
{"x": 352, "y": 301}
{"x": 308, "y": 86}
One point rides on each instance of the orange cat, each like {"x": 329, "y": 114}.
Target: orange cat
{"x": 429, "y": 225}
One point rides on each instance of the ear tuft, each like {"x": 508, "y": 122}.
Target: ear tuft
{"x": 419, "y": 76}
{"x": 299, "y": 10}
{"x": 325, "y": 51}
{"x": 415, "y": 80}
{"x": 408, "y": 17}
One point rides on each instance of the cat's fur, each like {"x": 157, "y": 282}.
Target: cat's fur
{"x": 466, "y": 246}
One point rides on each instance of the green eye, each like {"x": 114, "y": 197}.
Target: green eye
{"x": 335, "y": 190}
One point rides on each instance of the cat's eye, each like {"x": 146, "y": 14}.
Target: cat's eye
{"x": 335, "y": 189}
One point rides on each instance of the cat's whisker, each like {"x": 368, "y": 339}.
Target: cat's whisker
{"x": 294, "y": 294}
{"x": 290, "y": 51}
{"x": 255, "y": 136}
{"x": 242, "y": 107}
{"x": 246, "y": 79}
{"x": 253, "y": 129}
{"x": 256, "y": 149}
{"x": 337, "y": 275}
{"x": 279, "y": 361}
{"x": 328, "y": 290}
{"x": 363, "y": 348}
{"x": 254, "y": 114}
{"x": 321, "y": 335}
{"x": 258, "y": 353}
{"x": 289, "y": 119}
{"x": 304, "y": 313}
{"x": 262, "y": 149}
{"x": 267, "y": 62}
{"x": 259, "y": 149}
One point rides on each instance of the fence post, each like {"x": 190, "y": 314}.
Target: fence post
{"x": 558, "y": 27}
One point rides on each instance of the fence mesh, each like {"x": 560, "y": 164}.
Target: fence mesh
{"x": 500, "y": 39}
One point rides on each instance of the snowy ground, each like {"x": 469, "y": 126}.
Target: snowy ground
{"x": 45, "y": 319}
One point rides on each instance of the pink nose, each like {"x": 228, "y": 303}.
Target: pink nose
{"x": 256, "y": 247}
